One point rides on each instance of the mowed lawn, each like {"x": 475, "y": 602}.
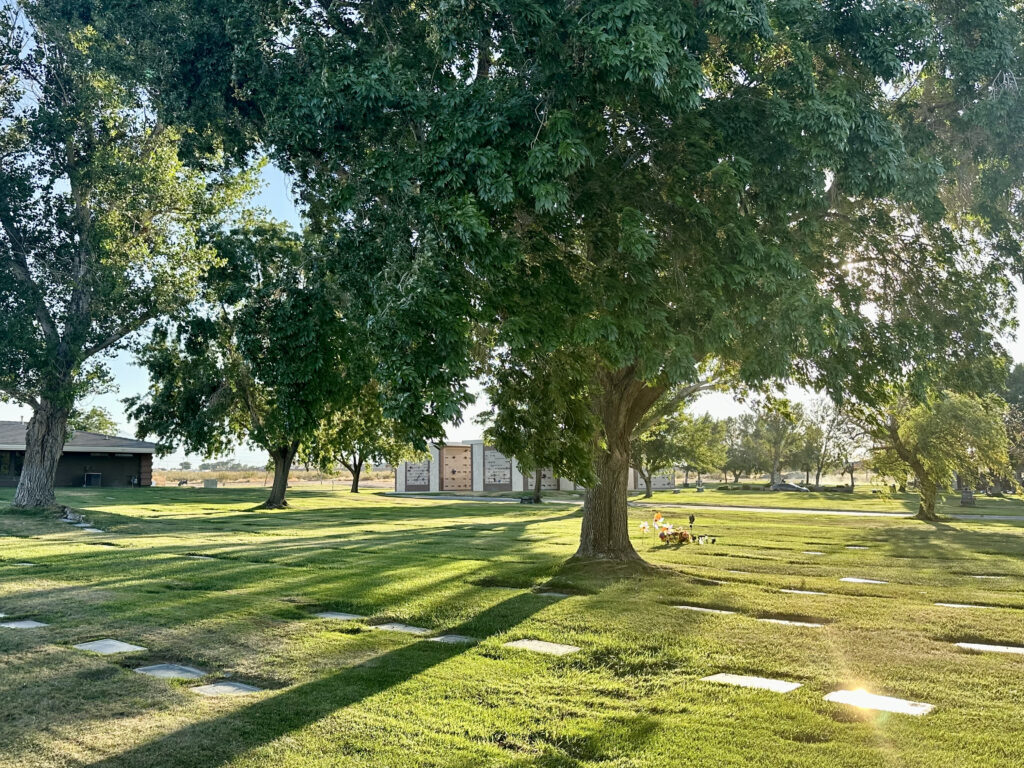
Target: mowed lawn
{"x": 862, "y": 500}
{"x": 342, "y": 694}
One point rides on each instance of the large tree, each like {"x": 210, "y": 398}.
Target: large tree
{"x": 790, "y": 188}
{"x": 950, "y": 435}
{"x": 778, "y": 431}
{"x": 98, "y": 224}
{"x": 263, "y": 357}
{"x": 354, "y": 433}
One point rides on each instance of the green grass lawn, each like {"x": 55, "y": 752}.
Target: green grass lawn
{"x": 862, "y": 500}
{"x": 341, "y": 694}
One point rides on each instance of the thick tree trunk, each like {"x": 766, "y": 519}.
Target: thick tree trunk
{"x": 647, "y": 483}
{"x": 807, "y": 477}
{"x": 620, "y": 404}
{"x": 776, "y": 476}
{"x": 817, "y": 477}
{"x": 283, "y": 456}
{"x": 44, "y": 444}
{"x": 736, "y": 476}
{"x": 536, "y": 485}
{"x": 926, "y": 507}
{"x": 356, "y": 470}
{"x": 852, "y": 486}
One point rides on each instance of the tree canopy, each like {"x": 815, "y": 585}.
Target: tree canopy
{"x": 954, "y": 434}
{"x": 788, "y": 189}
{"x": 99, "y": 222}
{"x": 261, "y": 358}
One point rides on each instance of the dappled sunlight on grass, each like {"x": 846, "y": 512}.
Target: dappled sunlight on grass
{"x": 340, "y": 693}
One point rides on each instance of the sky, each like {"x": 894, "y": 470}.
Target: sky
{"x": 276, "y": 196}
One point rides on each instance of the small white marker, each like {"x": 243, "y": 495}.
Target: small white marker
{"x": 746, "y": 681}
{"x": 702, "y": 609}
{"x": 985, "y": 648}
{"x": 864, "y": 700}
{"x": 792, "y": 623}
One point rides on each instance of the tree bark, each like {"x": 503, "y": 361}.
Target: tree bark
{"x": 536, "y": 485}
{"x": 283, "y": 456}
{"x": 647, "y": 483}
{"x": 817, "y": 477}
{"x": 620, "y": 403}
{"x": 926, "y": 507}
{"x": 356, "y": 470}
{"x": 44, "y": 444}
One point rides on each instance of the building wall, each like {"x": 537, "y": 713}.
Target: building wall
{"x": 116, "y": 471}
{"x": 489, "y": 473}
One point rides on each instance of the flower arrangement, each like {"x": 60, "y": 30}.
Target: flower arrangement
{"x": 669, "y": 534}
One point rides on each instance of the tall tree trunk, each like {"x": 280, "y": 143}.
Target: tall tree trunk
{"x": 647, "y": 482}
{"x": 536, "y": 485}
{"x": 283, "y": 456}
{"x": 807, "y": 475}
{"x": 356, "y": 470}
{"x": 620, "y": 403}
{"x": 736, "y": 476}
{"x": 776, "y": 476}
{"x": 817, "y": 477}
{"x": 44, "y": 444}
{"x": 686, "y": 477}
{"x": 852, "y": 486}
{"x": 929, "y": 495}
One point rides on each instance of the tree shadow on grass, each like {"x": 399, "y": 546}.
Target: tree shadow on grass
{"x": 215, "y": 742}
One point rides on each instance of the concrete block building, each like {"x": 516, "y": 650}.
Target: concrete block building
{"x": 89, "y": 459}
{"x": 474, "y": 466}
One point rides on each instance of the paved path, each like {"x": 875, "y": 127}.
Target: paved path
{"x": 719, "y": 507}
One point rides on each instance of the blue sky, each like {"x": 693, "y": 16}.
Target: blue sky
{"x": 276, "y": 196}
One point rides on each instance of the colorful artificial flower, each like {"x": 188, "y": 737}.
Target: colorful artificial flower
{"x": 644, "y": 527}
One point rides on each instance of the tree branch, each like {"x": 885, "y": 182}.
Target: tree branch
{"x": 23, "y": 275}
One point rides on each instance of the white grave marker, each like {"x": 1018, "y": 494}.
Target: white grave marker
{"x": 107, "y": 647}
{"x": 745, "y": 681}
{"x": 542, "y": 646}
{"x": 224, "y": 688}
{"x": 864, "y": 700}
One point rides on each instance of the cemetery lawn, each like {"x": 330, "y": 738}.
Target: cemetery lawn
{"x": 861, "y": 500}
{"x": 337, "y": 693}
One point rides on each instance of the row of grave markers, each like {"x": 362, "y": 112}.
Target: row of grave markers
{"x": 857, "y": 698}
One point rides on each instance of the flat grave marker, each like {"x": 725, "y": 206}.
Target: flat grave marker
{"x": 336, "y": 616}
{"x": 792, "y": 623}
{"x": 108, "y": 646}
{"x": 986, "y": 648}
{"x": 542, "y": 646}
{"x": 864, "y": 700}
{"x": 802, "y": 592}
{"x": 453, "y": 639}
{"x": 553, "y": 594}
{"x": 858, "y": 580}
{"x": 962, "y": 605}
{"x": 91, "y": 530}
{"x": 394, "y": 626}
{"x": 747, "y": 681}
{"x": 23, "y": 624}
{"x": 171, "y": 672}
{"x": 224, "y": 688}
{"x": 855, "y": 546}
{"x": 702, "y": 609}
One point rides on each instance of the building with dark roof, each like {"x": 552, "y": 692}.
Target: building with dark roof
{"x": 89, "y": 459}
